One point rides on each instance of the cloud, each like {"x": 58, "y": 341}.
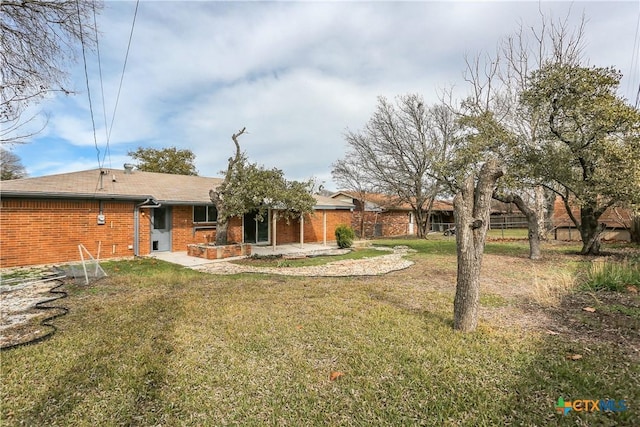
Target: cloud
{"x": 296, "y": 74}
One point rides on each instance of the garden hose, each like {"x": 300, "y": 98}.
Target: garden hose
{"x": 42, "y": 305}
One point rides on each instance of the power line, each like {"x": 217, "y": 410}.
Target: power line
{"x": 104, "y": 108}
{"x": 635, "y": 67}
{"x": 124, "y": 67}
{"x": 86, "y": 77}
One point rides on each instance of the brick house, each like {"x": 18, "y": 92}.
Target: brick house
{"x": 616, "y": 221}
{"x": 385, "y": 216}
{"x": 132, "y": 213}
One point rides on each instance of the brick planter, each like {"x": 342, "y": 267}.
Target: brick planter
{"x": 203, "y": 250}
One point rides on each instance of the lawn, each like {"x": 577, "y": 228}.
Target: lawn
{"x": 156, "y": 344}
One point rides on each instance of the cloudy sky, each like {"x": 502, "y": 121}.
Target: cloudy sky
{"x": 296, "y": 74}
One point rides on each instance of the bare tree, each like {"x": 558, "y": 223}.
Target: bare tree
{"x": 10, "y": 166}
{"x": 396, "y": 154}
{"x": 350, "y": 176}
{"x": 38, "y": 39}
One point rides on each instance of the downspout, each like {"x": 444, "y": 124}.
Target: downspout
{"x": 136, "y": 225}
{"x": 136, "y": 230}
{"x": 301, "y": 231}
{"x": 274, "y": 235}
{"x": 324, "y": 227}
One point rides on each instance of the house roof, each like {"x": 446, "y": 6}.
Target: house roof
{"x": 115, "y": 184}
{"x": 119, "y": 184}
{"x": 324, "y": 202}
{"x": 377, "y": 201}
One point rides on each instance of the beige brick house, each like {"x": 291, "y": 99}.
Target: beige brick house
{"x": 133, "y": 213}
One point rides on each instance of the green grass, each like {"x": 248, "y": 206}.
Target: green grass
{"x": 279, "y": 261}
{"x": 156, "y": 344}
{"x": 447, "y": 246}
{"x": 508, "y": 233}
{"x": 612, "y": 276}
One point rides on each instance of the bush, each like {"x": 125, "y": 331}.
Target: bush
{"x": 344, "y": 236}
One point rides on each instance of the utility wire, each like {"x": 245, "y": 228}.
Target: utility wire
{"x": 104, "y": 108}
{"x": 635, "y": 62}
{"x": 86, "y": 76}
{"x": 124, "y": 67}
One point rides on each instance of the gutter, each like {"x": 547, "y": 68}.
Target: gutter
{"x": 60, "y": 195}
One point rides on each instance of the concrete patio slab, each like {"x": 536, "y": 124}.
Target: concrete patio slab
{"x": 181, "y": 258}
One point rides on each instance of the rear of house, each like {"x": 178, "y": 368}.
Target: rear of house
{"x": 124, "y": 213}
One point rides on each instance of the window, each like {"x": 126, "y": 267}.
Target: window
{"x": 205, "y": 214}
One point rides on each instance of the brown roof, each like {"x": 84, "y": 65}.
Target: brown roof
{"x": 393, "y": 203}
{"x": 118, "y": 184}
{"x": 115, "y": 184}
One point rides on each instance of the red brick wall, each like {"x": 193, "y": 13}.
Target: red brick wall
{"x": 182, "y": 232}
{"x": 395, "y": 223}
{"x": 392, "y": 223}
{"x": 313, "y": 227}
{"x": 49, "y": 231}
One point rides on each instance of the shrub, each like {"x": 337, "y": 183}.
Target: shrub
{"x": 344, "y": 236}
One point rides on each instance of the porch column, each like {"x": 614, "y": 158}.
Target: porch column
{"x": 273, "y": 234}
{"x": 324, "y": 227}
{"x": 301, "y": 231}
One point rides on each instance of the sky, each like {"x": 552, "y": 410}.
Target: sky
{"x": 296, "y": 74}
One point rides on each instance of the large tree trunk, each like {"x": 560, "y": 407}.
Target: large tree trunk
{"x": 634, "y": 229}
{"x": 222, "y": 227}
{"x": 540, "y": 207}
{"x": 217, "y": 195}
{"x": 590, "y": 231}
{"x": 421, "y": 222}
{"x": 533, "y": 221}
{"x": 550, "y": 207}
{"x": 472, "y": 208}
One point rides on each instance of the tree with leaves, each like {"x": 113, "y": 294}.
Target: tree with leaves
{"x": 497, "y": 82}
{"x": 165, "y": 160}
{"x": 590, "y": 146}
{"x": 10, "y": 166}
{"x": 248, "y": 187}
{"x": 38, "y": 39}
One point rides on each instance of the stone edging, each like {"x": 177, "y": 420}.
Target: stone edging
{"x": 358, "y": 267}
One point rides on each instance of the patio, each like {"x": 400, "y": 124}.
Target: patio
{"x": 183, "y": 259}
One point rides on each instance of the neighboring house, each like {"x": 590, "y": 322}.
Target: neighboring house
{"x": 128, "y": 212}
{"x": 616, "y": 223}
{"x": 385, "y": 216}
{"x": 506, "y": 215}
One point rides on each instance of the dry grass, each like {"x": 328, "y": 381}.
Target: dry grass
{"x": 155, "y": 344}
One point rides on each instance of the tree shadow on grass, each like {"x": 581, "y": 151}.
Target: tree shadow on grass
{"x": 584, "y": 355}
{"x": 100, "y": 384}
